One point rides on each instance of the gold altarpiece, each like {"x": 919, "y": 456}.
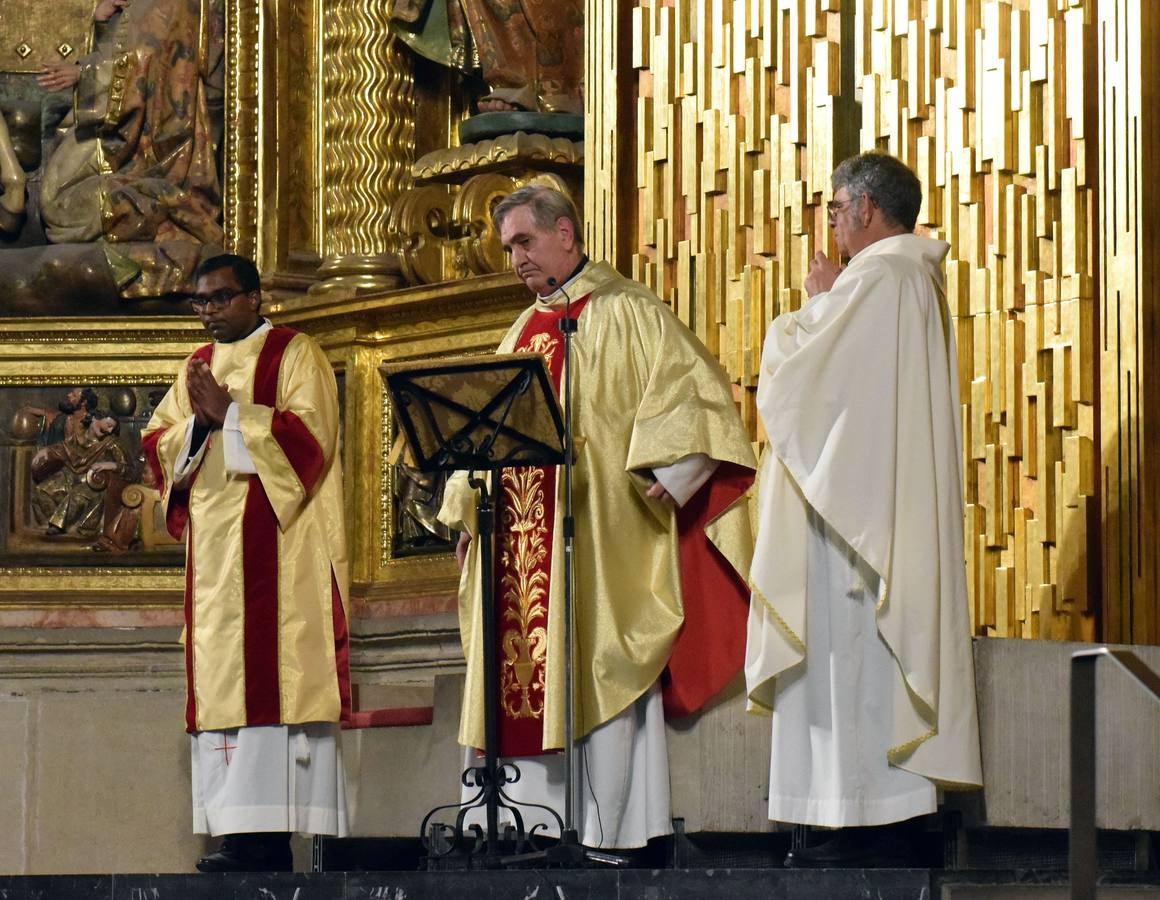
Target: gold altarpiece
{"x": 710, "y": 132}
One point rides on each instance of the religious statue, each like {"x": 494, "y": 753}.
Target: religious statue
{"x": 134, "y": 176}
{"x": 53, "y": 426}
{"x": 78, "y": 482}
{"x": 530, "y": 53}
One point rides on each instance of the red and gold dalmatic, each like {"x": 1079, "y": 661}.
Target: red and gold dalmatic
{"x": 661, "y": 593}
{"x": 266, "y": 569}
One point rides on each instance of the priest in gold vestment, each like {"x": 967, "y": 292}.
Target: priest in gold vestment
{"x": 859, "y": 638}
{"x": 245, "y": 449}
{"x": 662, "y": 540}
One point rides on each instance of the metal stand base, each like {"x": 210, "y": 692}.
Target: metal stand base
{"x": 569, "y": 853}
{"x": 494, "y": 847}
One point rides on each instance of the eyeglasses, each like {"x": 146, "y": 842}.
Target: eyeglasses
{"x": 217, "y": 300}
{"x": 833, "y": 207}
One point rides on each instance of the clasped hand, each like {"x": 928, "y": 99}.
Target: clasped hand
{"x": 210, "y": 400}
{"x": 822, "y": 274}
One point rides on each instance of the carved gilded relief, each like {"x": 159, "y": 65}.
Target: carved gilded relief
{"x": 73, "y": 480}
{"x": 93, "y": 216}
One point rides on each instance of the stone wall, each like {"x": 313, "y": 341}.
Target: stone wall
{"x": 96, "y": 766}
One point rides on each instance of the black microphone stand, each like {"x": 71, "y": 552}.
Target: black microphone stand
{"x": 569, "y": 836}
{"x": 570, "y": 851}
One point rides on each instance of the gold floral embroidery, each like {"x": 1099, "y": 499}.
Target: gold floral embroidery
{"x": 523, "y": 587}
{"x": 544, "y": 343}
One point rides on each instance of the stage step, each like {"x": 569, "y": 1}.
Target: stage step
{"x": 1045, "y": 892}
{"x": 586, "y": 884}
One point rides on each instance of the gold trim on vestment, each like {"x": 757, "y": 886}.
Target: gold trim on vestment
{"x": 525, "y": 592}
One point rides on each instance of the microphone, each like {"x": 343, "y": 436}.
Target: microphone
{"x": 567, "y": 324}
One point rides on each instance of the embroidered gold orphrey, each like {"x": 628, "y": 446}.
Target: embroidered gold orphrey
{"x": 525, "y": 586}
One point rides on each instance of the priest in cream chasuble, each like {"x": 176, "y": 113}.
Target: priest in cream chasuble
{"x": 859, "y": 634}
{"x": 662, "y": 524}
{"x": 258, "y": 497}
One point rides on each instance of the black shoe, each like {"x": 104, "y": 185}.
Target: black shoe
{"x": 856, "y": 848}
{"x": 259, "y": 852}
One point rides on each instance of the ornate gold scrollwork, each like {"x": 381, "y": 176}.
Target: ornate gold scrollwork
{"x": 532, "y": 151}
{"x": 479, "y": 247}
{"x": 421, "y": 221}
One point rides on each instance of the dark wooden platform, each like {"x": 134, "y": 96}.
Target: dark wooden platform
{"x": 595, "y": 884}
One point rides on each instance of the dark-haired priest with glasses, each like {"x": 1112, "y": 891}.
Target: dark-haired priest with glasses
{"x": 244, "y": 448}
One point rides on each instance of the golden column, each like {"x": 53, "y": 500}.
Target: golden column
{"x": 368, "y": 122}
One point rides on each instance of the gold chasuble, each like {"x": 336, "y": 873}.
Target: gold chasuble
{"x": 660, "y": 592}
{"x": 266, "y": 567}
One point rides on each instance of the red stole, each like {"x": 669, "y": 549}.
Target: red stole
{"x": 525, "y": 519}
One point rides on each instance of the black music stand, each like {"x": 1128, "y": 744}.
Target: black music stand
{"x": 481, "y": 415}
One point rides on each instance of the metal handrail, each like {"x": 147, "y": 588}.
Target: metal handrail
{"x": 1081, "y": 848}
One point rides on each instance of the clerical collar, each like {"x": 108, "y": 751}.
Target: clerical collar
{"x": 261, "y": 328}
{"x": 558, "y": 294}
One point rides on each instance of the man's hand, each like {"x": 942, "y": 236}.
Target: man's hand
{"x": 657, "y": 492}
{"x": 59, "y": 76}
{"x": 210, "y": 400}
{"x": 461, "y": 549}
{"x": 822, "y": 274}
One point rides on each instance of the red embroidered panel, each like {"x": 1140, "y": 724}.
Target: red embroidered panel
{"x": 525, "y": 513}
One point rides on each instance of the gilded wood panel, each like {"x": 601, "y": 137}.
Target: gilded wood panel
{"x": 740, "y": 117}
{"x": 991, "y": 101}
{"x": 740, "y": 107}
{"x": 1126, "y": 35}
{"x": 243, "y": 193}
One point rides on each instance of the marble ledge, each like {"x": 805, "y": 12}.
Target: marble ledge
{"x": 363, "y": 610}
{"x": 91, "y": 617}
{"x": 398, "y": 649}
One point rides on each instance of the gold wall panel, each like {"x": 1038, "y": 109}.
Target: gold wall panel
{"x": 1126, "y": 33}
{"x": 742, "y": 109}
{"x": 740, "y": 105}
{"x": 991, "y": 101}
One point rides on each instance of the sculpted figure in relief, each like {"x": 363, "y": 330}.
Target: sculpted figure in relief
{"x": 530, "y": 53}
{"x": 134, "y": 167}
{"x": 80, "y": 478}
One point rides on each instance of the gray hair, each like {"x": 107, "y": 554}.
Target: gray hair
{"x": 887, "y": 181}
{"x": 546, "y": 204}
